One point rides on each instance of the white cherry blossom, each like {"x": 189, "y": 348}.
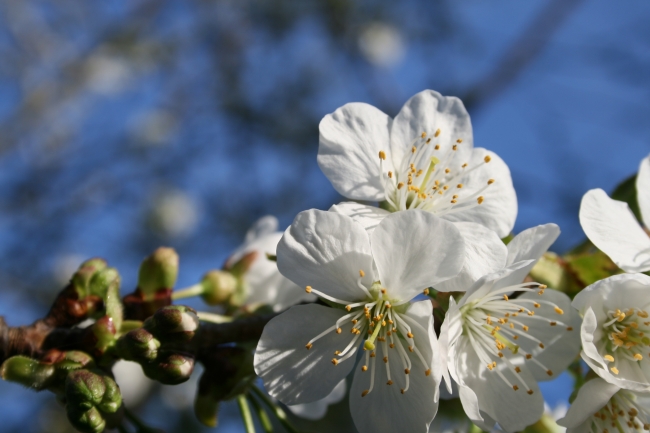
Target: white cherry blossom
{"x": 601, "y": 407}
{"x": 612, "y": 227}
{"x": 422, "y": 159}
{"x": 262, "y": 282}
{"x": 504, "y": 336}
{"x": 369, "y": 279}
{"x": 616, "y": 329}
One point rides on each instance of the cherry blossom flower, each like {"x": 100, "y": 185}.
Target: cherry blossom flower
{"x": 422, "y": 159}
{"x": 504, "y": 336}
{"x": 612, "y": 227}
{"x": 615, "y": 330}
{"x": 601, "y": 407}
{"x": 369, "y": 280}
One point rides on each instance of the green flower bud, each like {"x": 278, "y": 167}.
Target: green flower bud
{"x": 241, "y": 266}
{"x": 175, "y": 322}
{"x": 104, "y": 331}
{"x": 28, "y": 372}
{"x": 96, "y": 262}
{"x": 81, "y": 280}
{"x": 158, "y": 271}
{"x": 68, "y": 361}
{"x": 102, "y": 280}
{"x": 90, "y": 395}
{"x": 170, "y": 368}
{"x": 138, "y": 345}
{"x": 218, "y": 287}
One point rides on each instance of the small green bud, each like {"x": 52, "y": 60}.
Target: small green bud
{"x": 104, "y": 331}
{"x": 90, "y": 395}
{"x": 170, "y": 368}
{"x": 218, "y": 287}
{"x": 68, "y": 361}
{"x": 96, "y": 262}
{"x": 138, "y": 345}
{"x": 28, "y": 372}
{"x": 241, "y": 266}
{"x": 102, "y": 280}
{"x": 175, "y": 322}
{"x": 81, "y": 280}
{"x": 206, "y": 410}
{"x": 158, "y": 271}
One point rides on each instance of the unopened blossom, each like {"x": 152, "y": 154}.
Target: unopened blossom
{"x": 601, "y": 407}
{"x": 369, "y": 281}
{"x": 616, "y": 329}
{"x": 422, "y": 159}
{"x": 262, "y": 282}
{"x": 613, "y": 228}
{"x": 506, "y": 335}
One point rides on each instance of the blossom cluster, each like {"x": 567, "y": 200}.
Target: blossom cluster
{"x": 427, "y": 225}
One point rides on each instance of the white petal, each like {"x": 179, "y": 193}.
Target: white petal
{"x": 421, "y": 312}
{"x": 470, "y": 405}
{"x": 561, "y": 346}
{"x": 368, "y": 216}
{"x": 508, "y": 276}
{"x": 498, "y": 210}
{"x": 513, "y": 410}
{"x": 288, "y": 294}
{"x": 326, "y": 250}
{"x": 484, "y": 253}
{"x": 612, "y": 227}
{"x": 348, "y": 152}
{"x": 264, "y": 226}
{"x": 290, "y": 372}
{"x": 643, "y": 190}
{"x": 414, "y": 250}
{"x": 531, "y": 244}
{"x": 592, "y": 396}
{"x": 317, "y": 409}
{"x": 426, "y": 112}
{"x": 385, "y": 408}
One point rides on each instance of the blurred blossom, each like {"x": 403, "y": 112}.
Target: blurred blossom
{"x": 382, "y": 44}
{"x": 182, "y": 396}
{"x": 174, "y": 213}
{"x": 134, "y": 385}
{"x": 107, "y": 74}
{"x": 64, "y": 266}
{"x": 154, "y": 128}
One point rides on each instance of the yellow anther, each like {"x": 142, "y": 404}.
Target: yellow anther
{"x": 348, "y": 307}
{"x": 530, "y": 392}
{"x": 531, "y": 313}
{"x": 515, "y": 387}
{"x": 309, "y": 346}
{"x": 383, "y": 291}
{"x": 541, "y": 345}
{"x": 614, "y": 370}
{"x": 454, "y": 147}
{"x": 427, "y": 372}
{"x": 460, "y": 140}
{"x": 411, "y": 349}
{"x": 428, "y": 140}
{"x": 515, "y": 337}
{"x": 390, "y": 382}
{"x": 446, "y": 187}
{"x": 505, "y": 297}
{"x": 407, "y": 371}
{"x": 437, "y": 132}
{"x": 413, "y": 149}
{"x": 424, "y": 134}
{"x": 355, "y": 321}
{"x": 490, "y": 182}
{"x": 454, "y": 201}
{"x": 372, "y": 354}
{"x": 386, "y": 359}
{"x": 464, "y": 165}
{"x": 419, "y": 173}
{"x": 339, "y": 330}
{"x": 642, "y": 314}
{"x": 391, "y": 345}
{"x": 409, "y": 335}
{"x": 529, "y": 356}
{"x": 512, "y": 326}
{"x": 638, "y": 356}
{"x": 569, "y": 328}
{"x": 437, "y": 147}
{"x": 500, "y": 354}
{"x": 480, "y": 199}
{"x": 335, "y": 361}
{"x": 425, "y": 291}
{"x": 400, "y": 185}
{"x": 388, "y": 306}
{"x": 365, "y": 393}
{"x": 518, "y": 370}
{"x": 525, "y": 328}
{"x": 487, "y": 158}
{"x": 308, "y": 289}
{"x": 558, "y": 310}
{"x": 337, "y": 352}
{"x": 621, "y": 317}
{"x": 447, "y": 170}
{"x": 543, "y": 286}
{"x": 382, "y": 155}
{"x": 549, "y": 372}
{"x": 390, "y": 174}
{"x": 460, "y": 185}
{"x": 361, "y": 273}
{"x": 536, "y": 305}
{"x": 364, "y": 368}
{"x": 402, "y": 391}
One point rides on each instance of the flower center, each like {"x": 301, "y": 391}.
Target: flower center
{"x": 492, "y": 325}
{"x": 389, "y": 332}
{"x": 626, "y": 336}
{"x": 621, "y": 413}
{"x": 430, "y": 179}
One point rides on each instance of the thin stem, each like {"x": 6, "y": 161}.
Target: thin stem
{"x": 277, "y": 410}
{"x": 130, "y": 325}
{"x": 213, "y": 318}
{"x": 246, "y": 413}
{"x": 261, "y": 415}
{"x": 188, "y": 292}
